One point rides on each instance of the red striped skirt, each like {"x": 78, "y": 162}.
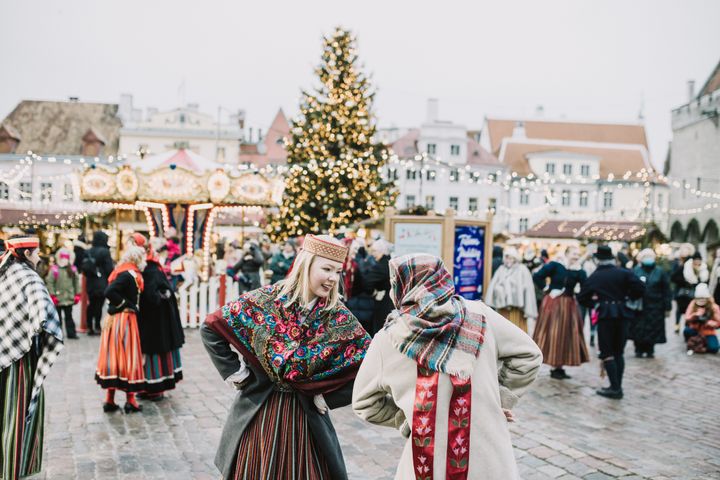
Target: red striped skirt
{"x": 277, "y": 445}
{"x": 120, "y": 363}
{"x": 559, "y": 333}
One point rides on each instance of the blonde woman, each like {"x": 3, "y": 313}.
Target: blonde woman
{"x": 300, "y": 349}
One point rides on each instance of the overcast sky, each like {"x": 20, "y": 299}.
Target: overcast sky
{"x": 599, "y": 60}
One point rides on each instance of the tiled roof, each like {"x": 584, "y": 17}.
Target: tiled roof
{"x": 57, "y": 128}
{"x": 567, "y": 131}
{"x": 406, "y": 147}
{"x": 273, "y": 141}
{"x": 713, "y": 83}
{"x": 477, "y": 155}
{"x": 597, "y": 230}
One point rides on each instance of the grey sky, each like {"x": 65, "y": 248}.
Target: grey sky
{"x": 581, "y": 60}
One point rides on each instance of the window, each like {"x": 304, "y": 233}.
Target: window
{"x": 453, "y": 203}
{"x": 25, "y": 190}
{"x": 68, "y": 194}
{"x": 660, "y": 201}
{"x": 550, "y": 168}
{"x": 431, "y": 148}
{"x": 566, "y": 198}
{"x": 409, "y": 201}
{"x": 585, "y": 170}
{"x": 607, "y": 200}
{"x": 567, "y": 169}
{"x": 46, "y": 192}
{"x": 220, "y": 154}
{"x": 454, "y": 175}
{"x": 550, "y": 197}
{"x": 472, "y": 204}
{"x": 455, "y": 150}
{"x": 4, "y": 191}
{"x": 492, "y": 204}
{"x": 430, "y": 202}
{"x": 523, "y": 225}
{"x": 410, "y": 174}
{"x": 524, "y": 197}
{"x": 583, "y": 198}
{"x": 392, "y": 174}
{"x": 431, "y": 174}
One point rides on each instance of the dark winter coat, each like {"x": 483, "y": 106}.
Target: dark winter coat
{"x": 122, "y": 293}
{"x": 159, "y": 319}
{"x": 248, "y": 270}
{"x": 560, "y": 277}
{"x": 378, "y": 280}
{"x": 612, "y": 286}
{"x": 280, "y": 266}
{"x": 96, "y": 284}
{"x": 497, "y": 258}
{"x": 250, "y": 400}
{"x": 649, "y": 325}
{"x": 361, "y": 303}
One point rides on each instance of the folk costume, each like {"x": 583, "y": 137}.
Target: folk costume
{"x": 290, "y": 355}
{"x": 30, "y": 340}
{"x": 120, "y": 362}
{"x": 441, "y": 371}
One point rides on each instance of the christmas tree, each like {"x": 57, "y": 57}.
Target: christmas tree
{"x": 334, "y": 176}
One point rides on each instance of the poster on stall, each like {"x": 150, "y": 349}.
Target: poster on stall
{"x": 469, "y": 260}
{"x": 418, "y": 238}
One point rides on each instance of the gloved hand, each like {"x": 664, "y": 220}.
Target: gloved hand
{"x": 55, "y": 300}
{"x": 320, "y": 404}
{"x": 76, "y": 300}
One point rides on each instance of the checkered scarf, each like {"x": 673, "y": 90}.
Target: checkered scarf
{"x": 431, "y": 324}
{"x": 28, "y": 319}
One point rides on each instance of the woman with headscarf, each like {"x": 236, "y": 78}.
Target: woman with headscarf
{"x": 120, "y": 361}
{"x": 300, "y": 349}
{"x": 161, "y": 333}
{"x": 432, "y": 372}
{"x": 559, "y": 329}
{"x": 30, "y": 341}
{"x": 512, "y": 291}
{"x": 648, "y": 327}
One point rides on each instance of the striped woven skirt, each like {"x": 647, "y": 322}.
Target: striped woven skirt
{"x": 516, "y": 317}
{"x": 120, "y": 363}
{"x": 559, "y": 333}
{"x": 21, "y": 441}
{"x": 277, "y": 445}
{"x": 162, "y": 371}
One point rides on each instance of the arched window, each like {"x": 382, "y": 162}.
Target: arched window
{"x": 711, "y": 234}
{"x": 692, "y": 235}
{"x": 677, "y": 233}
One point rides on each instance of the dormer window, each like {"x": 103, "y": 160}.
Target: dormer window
{"x": 455, "y": 150}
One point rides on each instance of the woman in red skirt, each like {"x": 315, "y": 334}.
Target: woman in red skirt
{"x": 558, "y": 331}
{"x": 120, "y": 363}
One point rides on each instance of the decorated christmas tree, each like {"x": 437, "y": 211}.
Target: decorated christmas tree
{"x": 334, "y": 176}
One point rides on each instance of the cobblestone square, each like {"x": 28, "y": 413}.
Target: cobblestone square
{"x": 666, "y": 427}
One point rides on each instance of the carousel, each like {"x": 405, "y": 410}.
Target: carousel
{"x": 180, "y": 191}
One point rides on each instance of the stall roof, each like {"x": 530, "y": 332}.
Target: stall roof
{"x": 598, "y": 230}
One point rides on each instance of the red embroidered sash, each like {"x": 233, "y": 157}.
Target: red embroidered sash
{"x": 423, "y": 426}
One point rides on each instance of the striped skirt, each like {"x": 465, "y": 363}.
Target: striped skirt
{"x": 162, "y": 371}
{"x": 559, "y": 333}
{"x": 516, "y": 317}
{"x": 277, "y": 444}
{"x": 120, "y": 363}
{"x": 21, "y": 441}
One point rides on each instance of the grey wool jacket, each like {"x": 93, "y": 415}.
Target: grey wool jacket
{"x": 250, "y": 399}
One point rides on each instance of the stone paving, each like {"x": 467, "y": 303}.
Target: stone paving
{"x": 666, "y": 427}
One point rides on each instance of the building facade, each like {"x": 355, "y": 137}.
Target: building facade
{"x": 694, "y": 166}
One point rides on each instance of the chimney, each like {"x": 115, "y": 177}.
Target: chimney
{"x": 73, "y": 99}
{"x": 126, "y": 107}
{"x": 519, "y": 130}
{"x": 432, "y": 110}
{"x": 241, "y": 119}
{"x": 691, "y": 90}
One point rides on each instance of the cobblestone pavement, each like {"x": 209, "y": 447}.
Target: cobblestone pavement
{"x": 666, "y": 427}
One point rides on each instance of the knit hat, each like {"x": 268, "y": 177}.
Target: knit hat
{"x": 702, "y": 291}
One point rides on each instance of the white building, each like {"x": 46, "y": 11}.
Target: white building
{"x": 694, "y": 165}
{"x": 438, "y": 166}
{"x": 574, "y": 171}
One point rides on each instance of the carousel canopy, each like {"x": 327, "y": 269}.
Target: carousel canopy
{"x": 186, "y": 159}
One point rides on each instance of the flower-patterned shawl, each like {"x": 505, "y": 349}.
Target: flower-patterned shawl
{"x": 311, "y": 351}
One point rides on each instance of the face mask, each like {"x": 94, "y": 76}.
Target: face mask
{"x": 648, "y": 262}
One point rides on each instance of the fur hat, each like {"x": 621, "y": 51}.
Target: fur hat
{"x": 702, "y": 291}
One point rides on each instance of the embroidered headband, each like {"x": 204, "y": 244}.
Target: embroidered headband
{"x": 325, "y": 249}
{"x": 13, "y": 244}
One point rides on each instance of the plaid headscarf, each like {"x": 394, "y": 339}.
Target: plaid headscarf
{"x": 431, "y": 324}
{"x": 27, "y": 316}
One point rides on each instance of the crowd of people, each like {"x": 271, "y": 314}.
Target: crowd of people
{"x": 324, "y": 322}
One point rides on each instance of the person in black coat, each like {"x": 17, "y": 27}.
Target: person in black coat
{"x": 247, "y": 269}
{"x": 607, "y": 290}
{"x": 377, "y": 283}
{"x": 497, "y": 258}
{"x": 161, "y": 333}
{"x": 649, "y": 326}
{"x": 96, "y": 266}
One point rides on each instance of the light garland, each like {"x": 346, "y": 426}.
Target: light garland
{"x": 191, "y": 224}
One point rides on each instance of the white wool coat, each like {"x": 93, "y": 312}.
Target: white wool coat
{"x": 513, "y": 287}
{"x": 507, "y": 364}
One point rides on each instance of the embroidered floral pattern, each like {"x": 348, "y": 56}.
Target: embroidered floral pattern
{"x": 458, "y": 452}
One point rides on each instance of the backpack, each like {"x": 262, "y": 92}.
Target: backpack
{"x": 89, "y": 267}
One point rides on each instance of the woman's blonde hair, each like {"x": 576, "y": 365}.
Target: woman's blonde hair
{"x": 296, "y": 286}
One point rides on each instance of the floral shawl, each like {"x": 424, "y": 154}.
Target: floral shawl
{"x": 296, "y": 348}
{"x": 430, "y": 323}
